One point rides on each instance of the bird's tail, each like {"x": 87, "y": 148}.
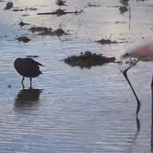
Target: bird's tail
{"x": 40, "y": 64}
{"x": 40, "y": 72}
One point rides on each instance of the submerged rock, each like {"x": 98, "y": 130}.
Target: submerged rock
{"x": 30, "y": 9}
{"x": 123, "y": 9}
{"x": 32, "y": 56}
{"x": 94, "y": 4}
{"x": 88, "y": 59}
{"x": 60, "y": 12}
{"x": 48, "y": 31}
{"x": 17, "y": 9}
{"x": 23, "y": 23}
{"x": 125, "y": 2}
{"x": 60, "y": 3}
{"x": 106, "y": 41}
{"x": 23, "y": 39}
{"x": 39, "y": 29}
{"x": 60, "y": 32}
{"x": 9, "y": 5}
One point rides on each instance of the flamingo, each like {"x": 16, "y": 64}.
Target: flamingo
{"x": 143, "y": 52}
{"x": 27, "y": 67}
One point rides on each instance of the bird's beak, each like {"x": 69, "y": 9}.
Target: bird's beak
{"x": 125, "y": 55}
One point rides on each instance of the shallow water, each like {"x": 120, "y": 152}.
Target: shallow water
{"x": 69, "y": 109}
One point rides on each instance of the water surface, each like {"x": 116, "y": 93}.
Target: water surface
{"x": 73, "y": 110}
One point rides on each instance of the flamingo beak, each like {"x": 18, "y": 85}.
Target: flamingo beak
{"x": 126, "y": 55}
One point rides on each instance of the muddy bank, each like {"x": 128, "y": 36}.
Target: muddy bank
{"x": 88, "y": 59}
{"x": 23, "y": 23}
{"x": 23, "y": 39}
{"x": 44, "y": 31}
{"x": 17, "y": 9}
{"x": 9, "y": 5}
{"x": 60, "y": 12}
{"x": 106, "y": 41}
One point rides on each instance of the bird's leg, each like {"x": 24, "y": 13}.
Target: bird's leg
{"x": 133, "y": 141}
{"x": 31, "y": 83}
{"x": 127, "y": 79}
{"x": 23, "y": 86}
{"x": 22, "y": 82}
{"x": 152, "y": 83}
{"x": 152, "y": 115}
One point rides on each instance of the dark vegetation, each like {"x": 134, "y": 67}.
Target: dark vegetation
{"x": 23, "y": 39}
{"x": 94, "y": 4}
{"x": 16, "y": 9}
{"x": 106, "y": 41}
{"x": 123, "y": 9}
{"x": 23, "y": 23}
{"x": 9, "y": 5}
{"x": 48, "y": 31}
{"x": 60, "y": 12}
{"x": 88, "y": 59}
{"x": 35, "y": 29}
{"x": 32, "y": 56}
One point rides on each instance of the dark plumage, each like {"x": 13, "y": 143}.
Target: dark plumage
{"x": 27, "y": 67}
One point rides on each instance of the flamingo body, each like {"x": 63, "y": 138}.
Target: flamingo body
{"x": 143, "y": 52}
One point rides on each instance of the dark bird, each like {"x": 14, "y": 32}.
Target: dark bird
{"x": 27, "y": 67}
{"x": 60, "y": 3}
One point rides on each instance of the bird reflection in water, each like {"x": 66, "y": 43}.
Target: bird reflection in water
{"x": 27, "y": 99}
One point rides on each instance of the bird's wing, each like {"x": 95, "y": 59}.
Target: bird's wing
{"x": 35, "y": 62}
